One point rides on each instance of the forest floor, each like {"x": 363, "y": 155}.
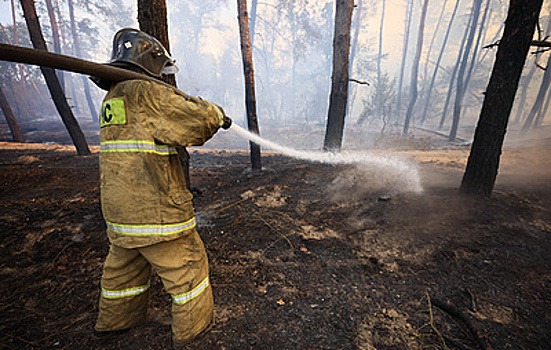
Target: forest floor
{"x": 303, "y": 256}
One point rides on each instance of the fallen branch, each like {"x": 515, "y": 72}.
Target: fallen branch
{"x": 481, "y": 341}
{"x": 438, "y": 133}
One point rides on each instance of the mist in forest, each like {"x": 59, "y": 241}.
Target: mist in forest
{"x": 293, "y": 63}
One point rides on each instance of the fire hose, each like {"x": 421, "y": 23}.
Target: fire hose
{"x": 35, "y": 57}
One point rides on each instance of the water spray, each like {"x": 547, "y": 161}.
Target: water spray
{"x": 395, "y": 166}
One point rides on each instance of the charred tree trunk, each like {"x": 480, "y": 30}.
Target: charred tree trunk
{"x": 85, "y": 83}
{"x": 415, "y": 70}
{"x": 56, "y": 38}
{"x": 483, "y": 163}
{"x": 454, "y": 74}
{"x": 437, "y": 64}
{"x": 543, "y": 110}
{"x": 248, "y": 71}
{"x": 409, "y": 15}
{"x": 461, "y": 81}
{"x": 153, "y": 19}
{"x": 10, "y": 118}
{"x": 58, "y": 97}
{"x": 528, "y": 80}
{"x": 540, "y": 98}
{"x": 481, "y": 33}
{"x": 339, "y": 81}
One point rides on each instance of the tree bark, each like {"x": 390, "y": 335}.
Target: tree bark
{"x": 461, "y": 81}
{"x": 339, "y": 81}
{"x": 438, "y": 61}
{"x": 58, "y": 97}
{"x": 78, "y": 51}
{"x": 415, "y": 70}
{"x": 248, "y": 71}
{"x": 10, "y": 118}
{"x": 483, "y": 163}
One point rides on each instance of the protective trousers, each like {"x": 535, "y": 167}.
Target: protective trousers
{"x": 182, "y": 266}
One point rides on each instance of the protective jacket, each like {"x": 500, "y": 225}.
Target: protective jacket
{"x": 143, "y": 194}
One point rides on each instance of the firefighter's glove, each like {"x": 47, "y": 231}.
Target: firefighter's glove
{"x": 225, "y": 121}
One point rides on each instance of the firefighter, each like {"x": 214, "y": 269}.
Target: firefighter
{"x": 145, "y": 203}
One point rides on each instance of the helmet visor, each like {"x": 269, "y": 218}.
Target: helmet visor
{"x": 170, "y": 69}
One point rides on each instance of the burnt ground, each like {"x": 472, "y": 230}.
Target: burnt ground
{"x": 305, "y": 256}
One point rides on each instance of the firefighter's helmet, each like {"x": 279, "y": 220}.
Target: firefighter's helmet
{"x": 139, "y": 49}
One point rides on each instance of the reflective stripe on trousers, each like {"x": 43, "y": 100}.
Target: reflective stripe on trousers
{"x": 183, "y": 298}
{"x": 124, "y": 293}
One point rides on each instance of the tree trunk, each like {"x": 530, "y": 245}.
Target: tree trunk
{"x": 85, "y": 83}
{"x": 438, "y": 61}
{"x": 153, "y": 19}
{"x": 540, "y": 98}
{"x": 254, "y": 5}
{"x": 461, "y": 81}
{"x": 58, "y": 97}
{"x": 454, "y": 74}
{"x": 248, "y": 71}
{"x": 543, "y": 111}
{"x": 409, "y": 15}
{"x": 380, "y": 54}
{"x": 339, "y": 81}
{"x": 353, "y": 46}
{"x": 528, "y": 78}
{"x": 56, "y": 38}
{"x": 415, "y": 70}
{"x": 10, "y": 118}
{"x": 524, "y": 93}
{"x": 481, "y": 33}
{"x": 483, "y": 163}
{"x": 435, "y": 34}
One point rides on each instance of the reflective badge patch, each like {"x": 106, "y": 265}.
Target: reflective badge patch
{"x": 113, "y": 112}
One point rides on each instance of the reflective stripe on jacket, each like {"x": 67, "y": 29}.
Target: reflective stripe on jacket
{"x": 143, "y": 194}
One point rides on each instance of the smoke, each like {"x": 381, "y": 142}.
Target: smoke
{"x": 370, "y": 171}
